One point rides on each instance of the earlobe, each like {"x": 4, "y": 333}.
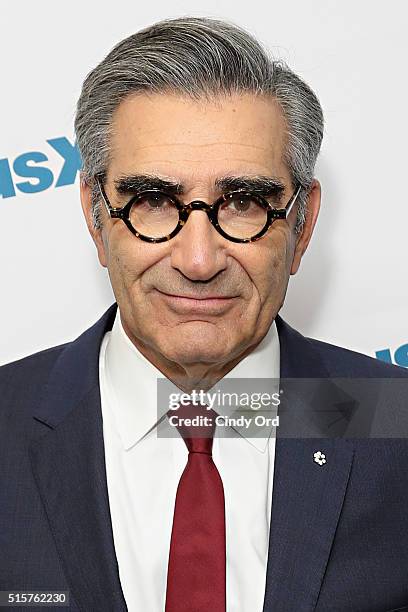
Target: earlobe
{"x": 312, "y": 212}
{"x": 96, "y": 234}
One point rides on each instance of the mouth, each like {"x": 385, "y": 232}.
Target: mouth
{"x": 197, "y": 304}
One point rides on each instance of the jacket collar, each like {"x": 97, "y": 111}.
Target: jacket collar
{"x": 299, "y": 358}
{"x": 75, "y": 373}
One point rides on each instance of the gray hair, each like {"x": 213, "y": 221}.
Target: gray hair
{"x": 201, "y": 58}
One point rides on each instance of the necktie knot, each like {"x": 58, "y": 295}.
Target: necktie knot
{"x": 196, "y": 425}
{"x": 199, "y": 445}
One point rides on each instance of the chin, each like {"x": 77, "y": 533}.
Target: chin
{"x": 205, "y": 355}
{"x": 192, "y": 345}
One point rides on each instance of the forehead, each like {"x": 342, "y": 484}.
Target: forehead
{"x": 176, "y": 135}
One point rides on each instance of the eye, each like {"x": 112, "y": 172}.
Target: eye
{"x": 242, "y": 205}
{"x": 153, "y": 202}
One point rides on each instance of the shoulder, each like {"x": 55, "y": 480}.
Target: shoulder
{"x": 25, "y": 377}
{"x": 67, "y": 369}
{"x": 34, "y": 370}
{"x": 343, "y": 362}
{"x": 311, "y": 358}
{"x": 36, "y": 361}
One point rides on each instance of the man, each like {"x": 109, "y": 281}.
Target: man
{"x": 198, "y": 190}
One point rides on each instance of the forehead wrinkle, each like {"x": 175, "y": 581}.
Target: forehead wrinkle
{"x": 244, "y": 160}
{"x": 193, "y": 145}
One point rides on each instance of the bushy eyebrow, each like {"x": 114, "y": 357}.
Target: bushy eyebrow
{"x": 265, "y": 186}
{"x": 262, "y": 185}
{"x": 143, "y": 182}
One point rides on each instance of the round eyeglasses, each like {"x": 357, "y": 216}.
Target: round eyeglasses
{"x": 239, "y": 216}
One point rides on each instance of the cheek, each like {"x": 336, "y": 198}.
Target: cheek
{"x": 282, "y": 249}
{"x": 128, "y": 259}
{"x": 271, "y": 265}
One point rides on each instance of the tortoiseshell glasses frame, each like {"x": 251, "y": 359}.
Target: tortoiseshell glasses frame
{"x": 184, "y": 210}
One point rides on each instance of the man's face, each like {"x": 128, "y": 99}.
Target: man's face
{"x": 198, "y": 298}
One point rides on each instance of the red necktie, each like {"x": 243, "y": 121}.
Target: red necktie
{"x": 196, "y": 570}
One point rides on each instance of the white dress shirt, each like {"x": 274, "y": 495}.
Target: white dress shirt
{"x": 143, "y": 472}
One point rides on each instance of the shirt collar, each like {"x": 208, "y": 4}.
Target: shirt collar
{"x": 131, "y": 381}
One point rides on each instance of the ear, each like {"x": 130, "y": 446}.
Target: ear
{"x": 312, "y": 212}
{"x": 96, "y": 234}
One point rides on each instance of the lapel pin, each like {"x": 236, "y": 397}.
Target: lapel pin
{"x": 319, "y": 458}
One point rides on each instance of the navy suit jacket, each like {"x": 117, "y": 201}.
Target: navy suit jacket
{"x": 339, "y": 532}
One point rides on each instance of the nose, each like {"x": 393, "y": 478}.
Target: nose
{"x": 199, "y": 251}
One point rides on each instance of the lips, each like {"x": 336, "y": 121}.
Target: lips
{"x": 199, "y": 297}
{"x": 212, "y": 304}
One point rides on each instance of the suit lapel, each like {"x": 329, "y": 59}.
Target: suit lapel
{"x": 306, "y": 505}
{"x": 68, "y": 463}
{"x": 307, "y": 497}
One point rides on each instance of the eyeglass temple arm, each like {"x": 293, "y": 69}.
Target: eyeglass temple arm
{"x": 113, "y": 212}
{"x": 292, "y": 201}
